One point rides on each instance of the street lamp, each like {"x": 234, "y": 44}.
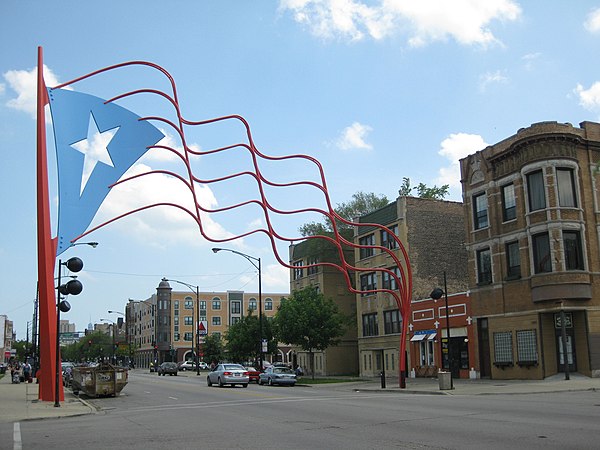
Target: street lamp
{"x": 191, "y": 287}
{"x": 73, "y": 287}
{"x": 256, "y": 264}
{"x": 113, "y": 338}
{"x": 436, "y": 294}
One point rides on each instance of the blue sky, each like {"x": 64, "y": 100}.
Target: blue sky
{"x": 375, "y": 90}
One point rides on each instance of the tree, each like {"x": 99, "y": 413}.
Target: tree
{"x": 361, "y": 204}
{"x": 244, "y": 339}
{"x": 423, "y": 191}
{"x": 212, "y": 348}
{"x": 309, "y": 320}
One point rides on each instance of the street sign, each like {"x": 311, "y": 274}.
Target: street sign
{"x": 203, "y": 328}
{"x": 264, "y": 345}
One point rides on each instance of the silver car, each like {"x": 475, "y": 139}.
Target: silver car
{"x": 277, "y": 375}
{"x": 226, "y": 373}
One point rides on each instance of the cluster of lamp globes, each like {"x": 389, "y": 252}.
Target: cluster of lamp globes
{"x": 71, "y": 287}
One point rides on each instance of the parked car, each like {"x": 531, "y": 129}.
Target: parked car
{"x": 186, "y": 365}
{"x": 277, "y": 375}
{"x": 203, "y": 365}
{"x": 226, "y": 373}
{"x": 167, "y": 368}
{"x": 253, "y": 374}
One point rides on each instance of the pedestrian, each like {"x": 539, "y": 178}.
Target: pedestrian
{"x": 299, "y": 371}
{"x": 27, "y": 372}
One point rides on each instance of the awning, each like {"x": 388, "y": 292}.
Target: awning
{"x": 418, "y": 337}
{"x": 431, "y": 337}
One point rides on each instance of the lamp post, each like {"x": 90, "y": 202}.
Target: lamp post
{"x": 197, "y": 333}
{"x": 256, "y": 263}
{"x": 436, "y": 294}
{"x": 127, "y": 337}
{"x": 113, "y": 325}
{"x": 73, "y": 287}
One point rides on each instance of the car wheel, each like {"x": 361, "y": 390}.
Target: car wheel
{"x": 183, "y": 369}
{"x": 270, "y": 382}
{"x": 221, "y": 382}
{"x": 208, "y": 382}
{"x": 244, "y": 385}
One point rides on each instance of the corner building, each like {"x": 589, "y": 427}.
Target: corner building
{"x": 532, "y": 220}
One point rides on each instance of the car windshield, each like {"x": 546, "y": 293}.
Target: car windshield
{"x": 233, "y": 367}
{"x": 169, "y": 364}
{"x": 282, "y": 370}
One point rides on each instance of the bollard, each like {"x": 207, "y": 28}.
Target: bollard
{"x": 382, "y": 375}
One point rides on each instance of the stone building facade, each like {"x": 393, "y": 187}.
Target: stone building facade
{"x": 532, "y": 224}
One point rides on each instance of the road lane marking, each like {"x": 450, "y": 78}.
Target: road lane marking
{"x": 17, "y": 443}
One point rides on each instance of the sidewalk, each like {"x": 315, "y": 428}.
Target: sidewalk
{"x": 556, "y": 383}
{"x": 20, "y": 402}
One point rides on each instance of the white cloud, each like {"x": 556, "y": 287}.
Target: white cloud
{"x": 455, "y": 147}
{"x": 491, "y": 78}
{"x": 592, "y": 22}
{"x": 24, "y": 83}
{"x": 275, "y": 278}
{"x": 529, "y": 59}
{"x": 353, "y": 137}
{"x": 162, "y": 155}
{"x": 425, "y": 21}
{"x": 163, "y": 225}
{"x": 2, "y": 88}
{"x": 589, "y": 98}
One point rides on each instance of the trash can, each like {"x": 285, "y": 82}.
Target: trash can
{"x": 445, "y": 379}
{"x": 103, "y": 380}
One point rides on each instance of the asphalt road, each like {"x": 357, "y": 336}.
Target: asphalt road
{"x": 183, "y": 412}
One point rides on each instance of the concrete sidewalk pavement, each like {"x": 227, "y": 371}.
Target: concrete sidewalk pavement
{"x": 20, "y": 402}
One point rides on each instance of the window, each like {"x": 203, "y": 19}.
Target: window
{"x": 176, "y": 337}
{"x": 176, "y": 305}
{"x": 513, "y": 260}
{"x": 426, "y": 355}
{"x": 235, "y": 320}
{"x": 566, "y": 187}
{"x": 480, "y": 211}
{"x": 298, "y": 271}
{"x": 387, "y": 238}
{"x": 527, "y": 347}
{"x": 391, "y": 321}
{"x": 188, "y": 337}
{"x": 187, "y": 320}
{"x": 572, "y": 248}
{"x": 509, "y": 203}
{"x": 370, "y": 325}
{"x": 484, "y": 266}
{"x": 189, "y": 303}
{"x": 268, "y": 304}
{"x": 216, "y": 303}
{"x": 536, "y": 190}
{"x": 312, "y": 269}
{"x": 216, "y": 321}
{"x": 202, "y": 304}
{"x": 252, "y": 304}
{"x": 541, "y": 253}
{"x": 368, "y": 282}
{"x": 388, "y": 281}
{"x": 176, "y": 320}
{"x": 503, "y": 348}
{"x": 367, "y": 240}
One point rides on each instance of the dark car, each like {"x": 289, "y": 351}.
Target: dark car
{"x": 167, "y": 368}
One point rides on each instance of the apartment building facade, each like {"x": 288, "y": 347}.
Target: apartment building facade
{"x": 532, "y": 227}
{"x": 341, "y": 359}
{"x": 161, "y": 328}
{"x": 432, "y": 232}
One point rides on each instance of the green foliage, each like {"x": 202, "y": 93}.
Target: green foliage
{"x": 423, "y": 191}
{"x": 93, "y": 347}
{"x": 213, "y": 348}
{"x": 309, "y": 320}
{"x": 244, "y": 337}
{"x": 21, "y": 348}
{"x": 361, "y": 204}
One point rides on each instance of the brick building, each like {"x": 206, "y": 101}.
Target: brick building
{"x": 166, "y": 321}
{"x": 533, "y": 221}
{"x": 432, "y": 232}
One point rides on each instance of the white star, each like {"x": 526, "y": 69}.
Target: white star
{"x": 94, "y": 149}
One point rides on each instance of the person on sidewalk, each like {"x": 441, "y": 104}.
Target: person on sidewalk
{"x": 27, "y": 372}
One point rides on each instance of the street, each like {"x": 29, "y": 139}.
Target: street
{"x": 183, "y": 412}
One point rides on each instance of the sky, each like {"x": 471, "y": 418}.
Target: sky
{"x": 374, "y": 90}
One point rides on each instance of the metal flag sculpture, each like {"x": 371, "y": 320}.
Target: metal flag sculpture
{"x": 100, "y": 157}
